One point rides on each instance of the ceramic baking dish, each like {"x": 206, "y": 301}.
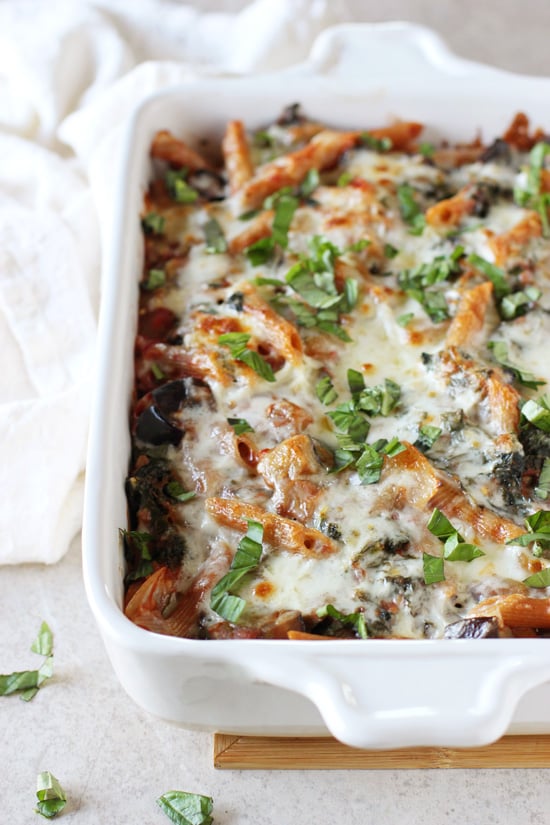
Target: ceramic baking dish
{"x": 378, "y": 694}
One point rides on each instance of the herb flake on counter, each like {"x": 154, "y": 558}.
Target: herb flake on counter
{"x": 51, "y": 796}
{"x": 27, "y": 682}
{"x": 184, "y": 808}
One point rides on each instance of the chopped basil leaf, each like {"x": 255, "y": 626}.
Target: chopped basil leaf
{"x": 440, "y": 526}
{"x": 369, "y": 465}
{"x": 344, "y": 179}
{"x": 417, "y": 283}
{"x": 405, "y": 319}
{"x": 427, "y": 436}
{"x": 261, "y": 251}
{"x": 538, "y": 525}
{"x": 500, "y": 353}
{"x": 377, "y": 144}
{"x": 246, "y": 559}
{"x": 325, "y": 391}
{"x": 178, "y": 188}
{"x": 426, "y": 148}
{"x": 51, "y": 796}
{"x": 496, "y": 275}
{"x": 240, "y": 425}
{"x": 356, "y": 382}
{"x": 390, "y": 251}
{"x": 351, "y": 423}
{"x": 157, "y": 372}
{"x": 237, "y": 341}
{"x": 185, "y": 808}
{"x": 519, "y": 303}
{"x": 27, "y": 682}
{"x": 156, "y": 278}
{"x": 247, "y": 216}
{"x": 410, "y": 210}
{"x": 351, "y": 294}
{"x": 537, "y": 412}
{"x": 284, "y": 212}
{"x": 179, "y": 493}
{"x": 153, "y": 223}
{"x": 138, "y": 541}
{"x": 456, "y": 550}
{"x": 434, "y": 568}
{"x": 310, "y": 183}
{"x": 267, "y": 282}
{"x": 541, "y": 579}
{"x": 380, "y": 399}
{"x": 43, "y": 644}
{"x": 216, "y": 243}
{"x": 356, "y": 619}
{"x": 542, "y": 490}
{"x": 358, "y": 246}
{"x": 531, "y": 195}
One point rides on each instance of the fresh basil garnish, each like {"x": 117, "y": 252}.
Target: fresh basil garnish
{"x": 153, "y": 224}
{"x": 178, "y": 188}
{"x": 51, "y": 796}
{"x": 500, "y": 353}
{"x": 185, "y": 808}
{"x": 411, "y": 212}
{"x": 236, "y": 342}
{"x": 356, "y": 619}
{"x": 216, "y": 243}
{"x": 27, "y": 682}
{"x": 433, "y": 568}
{"x": 247, "y": 557}
{"x": 240, "y": 425}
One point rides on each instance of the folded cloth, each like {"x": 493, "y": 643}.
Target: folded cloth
{"x": 70, "y": 75}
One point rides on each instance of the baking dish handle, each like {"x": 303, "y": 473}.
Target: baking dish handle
{"x": 454, "y": 697}
{"x": 380, "y": 52}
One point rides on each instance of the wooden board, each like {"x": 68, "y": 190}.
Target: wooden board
{"x": 324, "y": 753}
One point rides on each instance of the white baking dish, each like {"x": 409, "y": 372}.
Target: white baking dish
{"x": 377, "y": 694}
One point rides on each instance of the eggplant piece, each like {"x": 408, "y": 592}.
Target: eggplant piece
{"x": 473, "y": 628}
{"x": 153, "y": 428}
{"x": 290, "y": 116}
{"x": 209, "y": 185}
{"x": 183, "y": 392}
{"x": 499, "y": 151}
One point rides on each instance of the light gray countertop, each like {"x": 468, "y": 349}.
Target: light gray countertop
{"x": 112, "y": 758}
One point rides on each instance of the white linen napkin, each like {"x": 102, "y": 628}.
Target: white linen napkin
{"x": 70, "y": 75}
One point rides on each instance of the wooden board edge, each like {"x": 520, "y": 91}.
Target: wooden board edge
{"x": 232, "y": 752}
